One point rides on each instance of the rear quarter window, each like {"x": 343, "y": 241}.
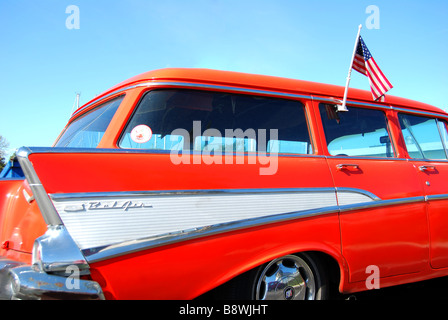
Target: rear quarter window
{"x": 194, "y": 120}
{"x": 87, "y": 130}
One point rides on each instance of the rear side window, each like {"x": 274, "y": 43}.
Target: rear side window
{"x": 357, "y": 132}
{"x": 87, "y": 130}
{"x": 177, "y": 119}
{"x": 425, "y": 137}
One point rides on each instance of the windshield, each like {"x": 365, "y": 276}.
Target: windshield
{"x": 87, "y": 130}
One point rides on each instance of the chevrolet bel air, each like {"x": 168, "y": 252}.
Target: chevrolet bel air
{"x": 196, "y": 183}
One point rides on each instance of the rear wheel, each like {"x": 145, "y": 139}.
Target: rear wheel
{"x": 287, "y": 278}
{"x": 291, "y": 277}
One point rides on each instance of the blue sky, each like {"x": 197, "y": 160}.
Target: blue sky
{"x": 43, "y": 64}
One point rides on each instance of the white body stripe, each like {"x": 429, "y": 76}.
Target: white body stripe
{"x": 111, "y": 219}
{"x": 348, "y": 198}
{"x": 95, "y": 227}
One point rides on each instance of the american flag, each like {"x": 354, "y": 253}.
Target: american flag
{"x": 365, "y": 64}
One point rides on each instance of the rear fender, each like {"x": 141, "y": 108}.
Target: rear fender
{"x": 21, "y": 222}
{"x": 78, "y": 190}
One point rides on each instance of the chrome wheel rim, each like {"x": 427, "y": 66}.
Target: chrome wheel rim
{"x": 286, "y": 278}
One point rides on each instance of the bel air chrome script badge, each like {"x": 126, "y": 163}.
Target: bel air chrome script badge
{"x": 111, "y": 205}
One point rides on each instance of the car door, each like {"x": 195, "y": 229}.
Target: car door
{"x": 426, "y": 139}
{"x": 387, "y": 228}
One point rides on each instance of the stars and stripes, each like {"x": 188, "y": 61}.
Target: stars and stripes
{"x": 364, "y": 63}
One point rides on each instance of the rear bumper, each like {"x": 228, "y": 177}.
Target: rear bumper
{"x": 20, "y": 281}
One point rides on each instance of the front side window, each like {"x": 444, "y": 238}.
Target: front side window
{"x": 179, "y": 119}
{"x": 425, "y": 137}
{"x": 87, "y": 130}
{"x": 356, "y": 132}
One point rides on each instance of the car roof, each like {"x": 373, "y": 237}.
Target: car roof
{"x": 261, "y": 82}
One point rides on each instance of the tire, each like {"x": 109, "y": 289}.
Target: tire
{"x": 291, "y": 277}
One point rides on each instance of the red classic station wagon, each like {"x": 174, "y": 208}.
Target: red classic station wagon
{"x": 193, "y": 183}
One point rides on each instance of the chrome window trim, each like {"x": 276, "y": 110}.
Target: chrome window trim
{"x": 383, "y": 106}
{"x": 365, "y": 158}
{"x": 233, "y": 90}
{"x": 421, "y": 112}
{"x": 146, "y": 151}
{"x": 353, "y": 103}
{"x": 12, "y": 179}
{"x": 102, "y": 103}
{"x": 179, "y": 84}
{"x": 441, "y": 138}
{"x": 150, "y": 151}
{"x": 388, "y": 130}
{"x": 426, "y": 160}
{"x": 435, "y": 117}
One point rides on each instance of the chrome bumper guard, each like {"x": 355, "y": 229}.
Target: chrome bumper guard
{"x": 24, "y": 282}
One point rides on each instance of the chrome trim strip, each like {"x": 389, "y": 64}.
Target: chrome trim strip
{"x": 353, "y": 103}
{"x": 153, "y": 151}
{"x": 441, "y": 137}
{"x": 436, "y": 197}
{"x": 148, "y": 151}
{"x": 360, "y": 191}
{"x": 381, "y": 203}
{"x": 230, "y": 88}
{"x": 349, "y": 158}
{"x": 56, "y": 250}
{"x": 420, "y": 112}
{"x": 154, "y": 83}
{"x": 427, "y": 160}
{"x": 384, "y": 106}
{"x": 66, "y": 196}
{"x": 126, "y": 194}
{"x": 178, "y": 84}
{"x": 44, "y": 203}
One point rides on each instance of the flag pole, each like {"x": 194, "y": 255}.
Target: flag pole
{"x": 344, "y": 101}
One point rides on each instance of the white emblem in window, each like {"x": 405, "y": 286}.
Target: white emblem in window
{"x": 141, "y": 134}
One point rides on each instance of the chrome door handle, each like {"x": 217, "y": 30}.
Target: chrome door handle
{"x": 427, "y": 168}
{"x": 343, "y": 166}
